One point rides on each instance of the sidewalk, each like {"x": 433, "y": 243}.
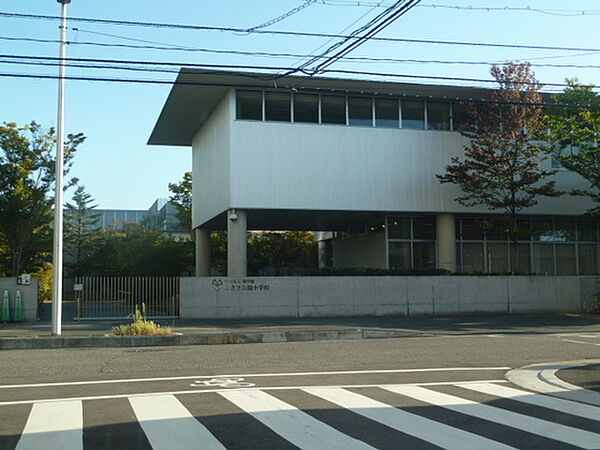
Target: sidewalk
{"x": 195, "y": 332}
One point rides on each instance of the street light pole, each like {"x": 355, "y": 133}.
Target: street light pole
{"x": 57, "y": 259}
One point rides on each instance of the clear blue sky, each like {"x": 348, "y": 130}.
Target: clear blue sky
{"x": 121, "y": 171}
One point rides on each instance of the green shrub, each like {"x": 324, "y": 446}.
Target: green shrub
{"x": 141, "y": 326}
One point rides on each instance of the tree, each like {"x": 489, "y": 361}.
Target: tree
{"x": 81, "y": 229}
{"x": 182, "y": 200}
{"x": 281, "y": 253}
{"x": 572, "y": 136}
{"x": 502, "y": 167}
{"x": 26, "y": 193}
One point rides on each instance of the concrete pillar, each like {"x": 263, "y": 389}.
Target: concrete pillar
{"x": 324, "y": 253}
{"x": 446, "y": 242}
{"x": 237, "y": 243}
{"x": 202, "y": 252}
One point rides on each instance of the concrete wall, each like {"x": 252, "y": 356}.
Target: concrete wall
{"x": 363, "y": 251}
{"x": 29, "y": 295}
{"x": 211, "y": 164}
{"x": 211, "y": 298}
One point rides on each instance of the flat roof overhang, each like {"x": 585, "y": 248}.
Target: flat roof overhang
{"x": 196, "y": 92}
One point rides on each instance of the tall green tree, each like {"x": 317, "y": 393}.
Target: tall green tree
{"x": 182, "y": 200}
{"x": 502, "y": 168}
{"x": 572, "y": 135}
{"x": 26, "y": 193}
{"x": 81, "y": 230}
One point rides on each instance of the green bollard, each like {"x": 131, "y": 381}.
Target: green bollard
{"x": 18, "y": 317}
{"x": 5, "y": 307}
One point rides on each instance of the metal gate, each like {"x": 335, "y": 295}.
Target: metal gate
{"x": 118, "y": 297}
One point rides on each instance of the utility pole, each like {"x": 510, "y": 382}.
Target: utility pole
{"x": 57, "y": 260}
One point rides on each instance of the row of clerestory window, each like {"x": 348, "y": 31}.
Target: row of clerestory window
{"x": 349, "y": 110}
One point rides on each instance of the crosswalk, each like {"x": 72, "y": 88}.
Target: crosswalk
{"x": 453, "y": 415}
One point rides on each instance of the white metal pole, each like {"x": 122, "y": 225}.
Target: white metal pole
{"x": 57, "y": 259}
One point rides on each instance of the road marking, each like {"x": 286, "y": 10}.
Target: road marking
{"x": 288, "y": 374}
{"x": 170, "y": 426}
{"x": 545, "y": 401}
{"x": 56, "y": 425}
{"x": 428, "y": 430}
{"x": 223, "y": 382}
{"x": 559, "y": 432}
{"x": 206, "y": 391}
{"x": 298, "y": 427}
{"x": 579, "y": 342}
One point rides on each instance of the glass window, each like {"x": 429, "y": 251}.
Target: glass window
{"x": 472, "y": 229}
{"x": 565, "y": 259}
{"x": 424, "y": 255}
{"x": 588, "y": 259}
{"x": 399, "y": 228}
{"x": 460, "y": 116}
{"x": 360, "y": 111}
{"x": 386, "y": 113}
{"x": 249, "y": 105}
{"x": 424, "y": 228}
{"x": 524, "y": 230}
{"x": 277, "y": 106}
{"x": 543, "y": 259}
{"x": 472, "y": 257}
{"x": 306, "y": 108}
{"x": 438, "y": 115}
{"x": 542, "y": 230}
{"x": 523, "y": 259}
{"x": 333, "y": 109}
{"x": 497, "y": 258}
{"x": 564, "y": 231}
{"x": 399, "y": 255}
{"x": 496, "y": 230}
{"x": 413, "y": 114}
{"x": 587, "y": 231}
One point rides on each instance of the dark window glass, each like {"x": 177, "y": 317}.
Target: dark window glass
{"x": 249, "y": 105}
{"x": 587, "y": 231}
{"x": 459, "y": 117}
{"x": 399, "y": 255}
{"x": 398, "y": 228}
{"x": 565, "y": 259}
{"x": 496, "y": 230}
{"x": 424, "y": 255}
{"x": 497, "y": 258}
{"x": 386, "y": 112}
{"x": 424, "y": 228}
{"x": 306, "y": 108}
{"x": 438, "y": 115}
{"x": 360, "y": 111}
{"x": 524, "y": 230}
{"x": 564, "y": 231}
{"x": 333, "y": 109}
{"x": 588, "y": 259}
{"x": 541, "y": 230}
{"x": 523, "y": 259}
{"x": 472, "y": 230}
{"x": 413, "y": 114}
{"x": 543, "y": 259}
{"x": 472, "y": 257}
{"x": 277, "y": 106}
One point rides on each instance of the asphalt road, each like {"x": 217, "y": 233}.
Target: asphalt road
{"x": 433, "y": 392}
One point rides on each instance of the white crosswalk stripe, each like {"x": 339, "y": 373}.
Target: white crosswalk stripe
{"x": 289, "y": 422}
{"x": 545, "y": 401}
{"x": 421, "y": 427}
{"x": 53, "y": 425}
{"x": 559, "y": 432}
{"x": 169, "y": 425}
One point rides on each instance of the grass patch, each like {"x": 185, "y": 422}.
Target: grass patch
{"x": 141, "y": 326}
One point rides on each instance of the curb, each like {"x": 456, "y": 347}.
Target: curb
{"x": 542, "y": 378}
{"x": 199, "y": 339}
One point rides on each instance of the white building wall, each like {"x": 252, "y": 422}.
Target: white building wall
{"x": 211, "y": 163}
{"x": 337, "y": 167}
{"x": 363, "y": 251}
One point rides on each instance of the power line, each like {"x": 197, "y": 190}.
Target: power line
{"x": 291, "y": 33}
{"x": 553, "y": 12}
{"x": 76, "y": 63}
{"x": 284, "y": 16}
{"x": 261, "y": 86}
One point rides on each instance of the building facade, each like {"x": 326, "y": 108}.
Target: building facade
{"x": 357, "y": 159}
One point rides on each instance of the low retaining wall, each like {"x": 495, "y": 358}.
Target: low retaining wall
{"x": 220, "y": 298}
{"x": 29, "y": 296}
